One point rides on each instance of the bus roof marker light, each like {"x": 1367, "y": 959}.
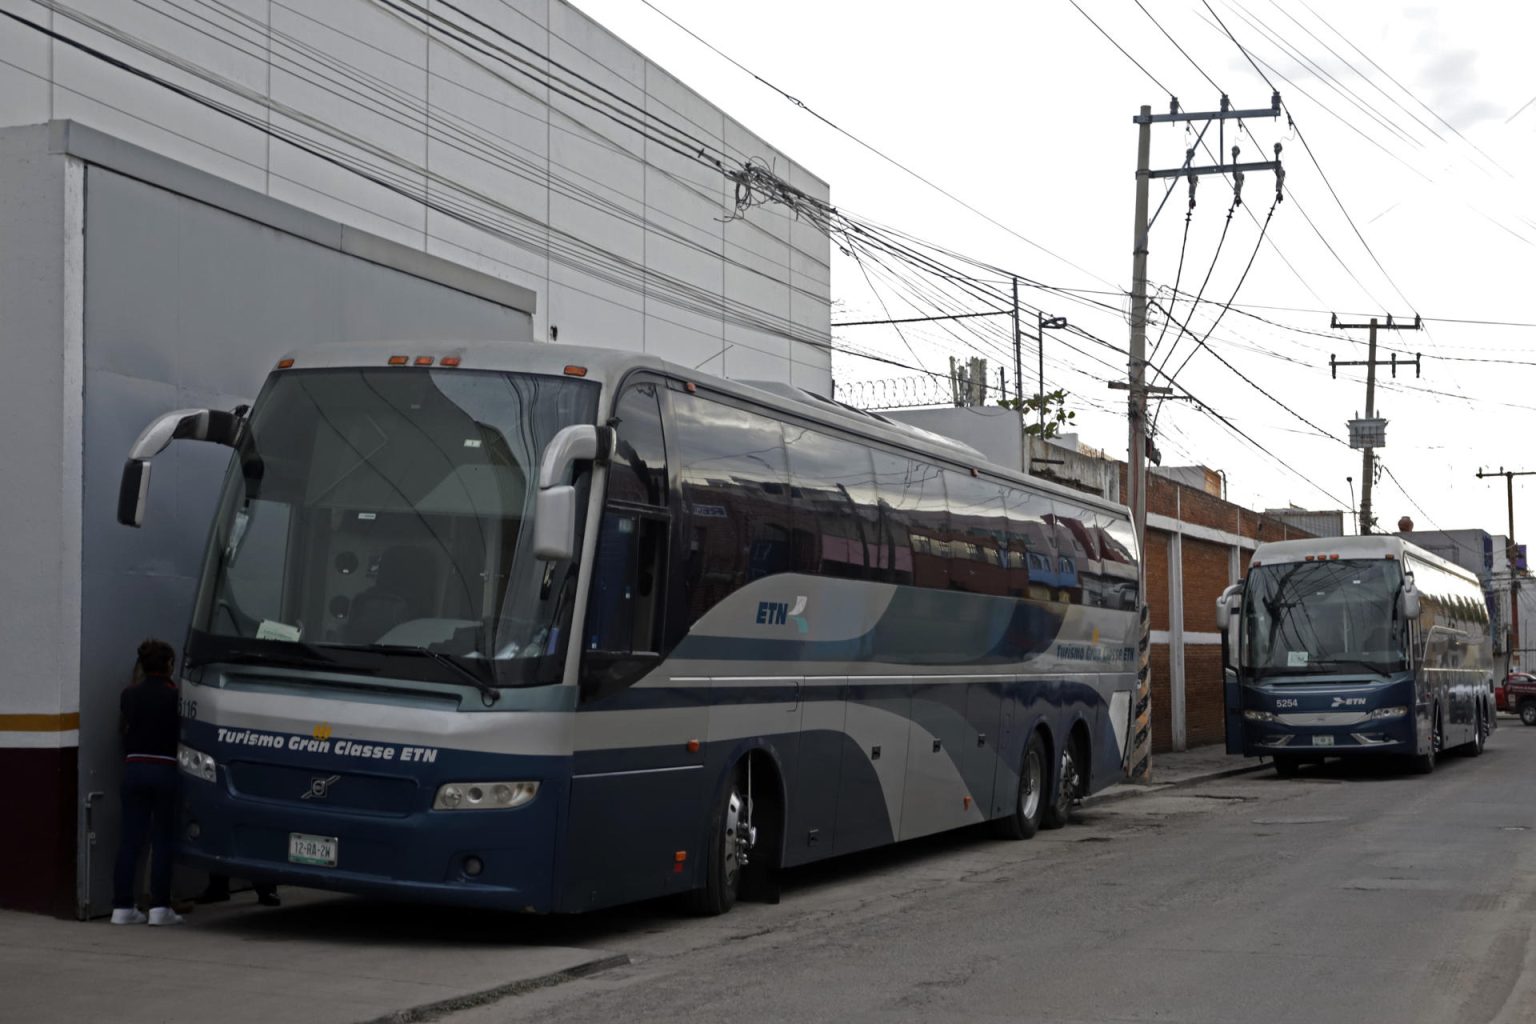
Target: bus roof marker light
{"x": 575, "y": 371}
{"x": 285, "y": 363}
{"x": 399, "y": 360}
{"x": 449, "y": 361}
{"x": 693, "y": 746}
{"x": 423, "y": 360}
{"x": 690, "y": 387}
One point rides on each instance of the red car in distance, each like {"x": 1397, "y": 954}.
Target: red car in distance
{"x": 1518, "y": 696}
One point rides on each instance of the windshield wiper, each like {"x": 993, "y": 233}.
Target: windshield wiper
{"x": 293, "y": 656}
{"x": 489, "y": 694}
{"x": 1369, "y": 666}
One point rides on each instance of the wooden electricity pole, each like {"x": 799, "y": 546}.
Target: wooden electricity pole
{"x": 1370, "y": 433}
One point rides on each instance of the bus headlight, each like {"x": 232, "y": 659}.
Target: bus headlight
{"x": 1397, "y": 712}
{"x": 196, "y": 763}
{"x": 483, "y": 796}
{"x": 1258, "y": 716}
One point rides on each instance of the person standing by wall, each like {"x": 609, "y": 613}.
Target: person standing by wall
{"x": 150, "y": 726}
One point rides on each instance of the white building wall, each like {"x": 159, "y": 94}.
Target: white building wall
{"x": 501, "y": 172}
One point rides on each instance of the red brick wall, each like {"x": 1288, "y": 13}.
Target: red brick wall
{"x": 1162, "y": 728}
{"x": 1203, "y": 706}
{"x": 1156, "y": 556}
{"x": 1206, "y": 568}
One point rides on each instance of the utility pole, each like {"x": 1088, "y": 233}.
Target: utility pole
{"x": 1044, "y": 323}
{"x": 1018, "y": 356}
{"x": 1370, "y": 433}
{"x": 1140, "y": 761}
{"x": 1514, "y": 580}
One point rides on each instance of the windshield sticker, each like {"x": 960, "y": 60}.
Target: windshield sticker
{"x": 269, "y": 630}
{"x": 1296, "y": 659}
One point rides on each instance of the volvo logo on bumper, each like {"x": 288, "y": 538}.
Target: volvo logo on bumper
{"x": 320, "y": 787}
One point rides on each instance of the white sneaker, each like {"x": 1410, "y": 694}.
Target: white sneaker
{"x": 128, "y": 915}
{"x": 163, "y": 915}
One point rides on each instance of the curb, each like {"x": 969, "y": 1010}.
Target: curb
{"x": 1129, "y": 790}
{"x": 454, "y": 1004}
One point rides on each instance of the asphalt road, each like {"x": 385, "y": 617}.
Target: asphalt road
{"x": 1342, "y": 895}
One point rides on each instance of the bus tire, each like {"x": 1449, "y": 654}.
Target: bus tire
{"x": 1069, "y": 785}
{"x": 1029, "y": 805}
{"x": 1286, "y": 765}
{"x": 723, "y": 853}
{"x": 1528, "y": 712}
{"x": 1479, "y": 736}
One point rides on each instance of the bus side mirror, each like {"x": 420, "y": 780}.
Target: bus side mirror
{"x": 190, "y": 424}
{"x": 1226, "y": 604}
{"x": 1408, "y": 602}
{"x": 1229, "y": 601}
{"x": 554, "y": 510}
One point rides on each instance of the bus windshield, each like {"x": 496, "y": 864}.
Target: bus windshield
{"x": 380, "y": 520}
{"x": 1323, "y": 617}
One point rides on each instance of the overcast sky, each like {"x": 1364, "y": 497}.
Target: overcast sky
{"x": 1024, "y": 111}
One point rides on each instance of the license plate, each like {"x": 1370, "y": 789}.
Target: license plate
{"x": 318, "y": 850}
{"x": 1322, "y": 741}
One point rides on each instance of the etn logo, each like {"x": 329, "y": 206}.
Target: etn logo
{"x": 778, "y": 613}
{"x": 772, "y": 613}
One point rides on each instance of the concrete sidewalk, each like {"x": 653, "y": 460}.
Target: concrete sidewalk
{"x": 319, "y": 958}
{"x": 1183, "y": 767}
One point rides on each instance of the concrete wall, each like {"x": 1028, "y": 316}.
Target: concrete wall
{"x": 41, "y": 396}
{"x": 493, "y": 165}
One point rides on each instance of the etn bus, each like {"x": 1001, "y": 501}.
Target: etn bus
{"x": 552, "y": 629}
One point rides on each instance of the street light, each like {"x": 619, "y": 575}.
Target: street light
{"x": 1043, "y": 324}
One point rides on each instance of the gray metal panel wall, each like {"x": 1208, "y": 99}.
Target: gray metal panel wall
{"x": 187, "y": 305}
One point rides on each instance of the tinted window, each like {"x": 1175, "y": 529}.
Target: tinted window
{"x": 978, "y": 534}
{"x": 638, "y": 471}
{"x": 1034, "y": 568}
{"x": 736, "y": 498}
{"x": 912, "y": 496}
{"x": 891, "y": 559}
{"x": 1117, "y": 545}
{"x": 830, "y": 477}
{"x": 1077, "y": 553}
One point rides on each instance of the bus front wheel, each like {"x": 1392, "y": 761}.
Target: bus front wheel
{"x": 1285, "y": 765}
{"x": 1029, "y": 806}
{"x": 725, "y": 857}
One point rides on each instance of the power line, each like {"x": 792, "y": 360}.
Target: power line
{"x": 923, "y": 319}
{"x": 1122, "y": 49}
{"x": 883, "y": 156}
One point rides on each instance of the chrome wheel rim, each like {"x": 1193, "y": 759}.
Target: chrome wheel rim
{"x": 1068, "y": 780}
{"x": 735, "y": 840}
{"x": 1030, "y": 784}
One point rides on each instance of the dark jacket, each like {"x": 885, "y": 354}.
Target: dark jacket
{"x": 151, "y": 720}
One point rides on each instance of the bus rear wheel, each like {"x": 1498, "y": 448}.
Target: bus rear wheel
{"x": 1029, "y": 806}
{"x": 1474, "y": 747}
{"x": 730, "y": 843}
{"x": 1068, "y": 789}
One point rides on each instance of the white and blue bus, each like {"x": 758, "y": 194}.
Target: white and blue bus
{"x": 1355, "y": 646}
{"x": 552, "y": 629}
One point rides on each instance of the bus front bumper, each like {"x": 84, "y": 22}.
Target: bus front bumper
{"x": 1382, "y": 736}
{"x": 497, "y": 858}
